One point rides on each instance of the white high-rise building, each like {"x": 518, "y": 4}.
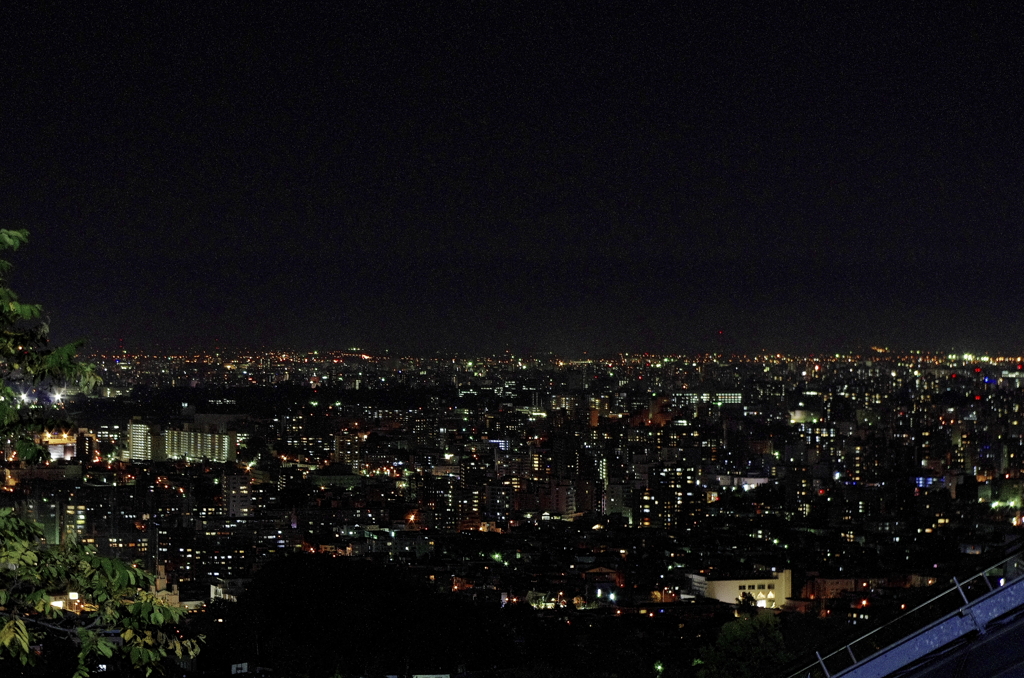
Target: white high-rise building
{"x": 148, "y": 443}
{"x": 145, "y": 442}
{"x": 198, "y": 446}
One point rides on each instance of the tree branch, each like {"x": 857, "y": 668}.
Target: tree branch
{"x": 68, "y": 632}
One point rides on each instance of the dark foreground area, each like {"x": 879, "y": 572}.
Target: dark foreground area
{"x": 319, "y": 616}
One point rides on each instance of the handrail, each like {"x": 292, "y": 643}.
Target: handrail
{"x": 845, "y": 657}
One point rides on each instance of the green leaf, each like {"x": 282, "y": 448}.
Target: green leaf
{"x": 21, "y": 634}
{"x": 11, "y": 239}
{"x": 7, "y": 634}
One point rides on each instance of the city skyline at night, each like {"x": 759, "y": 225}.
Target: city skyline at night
{"x": 577, "y": 340}
{"x": 566, "y": 509}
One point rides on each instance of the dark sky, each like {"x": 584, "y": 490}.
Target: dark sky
{"x": 534, "y": 176}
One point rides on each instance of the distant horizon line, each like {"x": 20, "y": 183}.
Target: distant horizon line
{"x": 878, "y": 351}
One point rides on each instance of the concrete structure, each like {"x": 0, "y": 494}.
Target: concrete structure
{"x": 768, "y": 589}
{"x": 977, "y": 636}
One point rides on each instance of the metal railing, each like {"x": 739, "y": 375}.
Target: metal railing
{"x": 955, "y": 600}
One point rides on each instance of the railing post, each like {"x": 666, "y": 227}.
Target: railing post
{"x": 823, "y": 667}
{"x": 962, "y": 594}
{"x": 850, "y": 650}
{"x": 968, "y": 608}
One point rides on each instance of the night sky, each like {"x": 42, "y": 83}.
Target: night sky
{"x": 483, "y": 176}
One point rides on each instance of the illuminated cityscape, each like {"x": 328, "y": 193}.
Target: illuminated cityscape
{"x": 511, "y": 340}
{"x": 657, "y": 487}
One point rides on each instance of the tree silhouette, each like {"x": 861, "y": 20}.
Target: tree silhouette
{"x": 63, "y": 609}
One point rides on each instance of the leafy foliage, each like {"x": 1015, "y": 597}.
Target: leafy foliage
{"x": 106, "y": 612}
{"x": 26, "y": 358}
{"x": 746, "y": 648}
{"x": 114, "y": 619}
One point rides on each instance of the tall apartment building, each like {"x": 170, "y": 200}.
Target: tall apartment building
{"x": 192, "y": 445}
{"x": 237, "y": 499}
{"x": 146, "y": 442}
